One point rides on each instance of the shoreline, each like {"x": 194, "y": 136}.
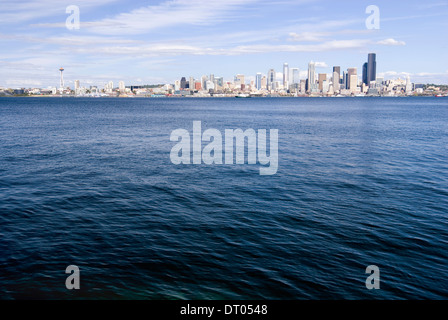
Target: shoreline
{"x": 229, "y": 96}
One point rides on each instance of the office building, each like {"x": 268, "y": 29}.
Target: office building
{"x": 352, "y": 79}
{"x": 271, "y": 79}
{"x": 336, "y": 78}
{"x": 294, "y": 75}
{"x": 239, "y": 80}
{"x": 322, "y": 78}
{"x": 258, "y": 81}
{"x": 311, "y": 80}
{"x": 264, "y": 82}
{"x": 183, "y": 83}
{"x": 369, "y": 69}
{"x": 285, "y": 75}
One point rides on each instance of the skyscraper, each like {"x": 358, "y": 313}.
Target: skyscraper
{"x": 369, "y": 69}
{"x": 336, "y": 77}
{"x": 258, "y": 81}
{"x": 344, "y": 81}
{"x": 285, "y": 75}
{"x": 183, "y": 83}
{"x": 364, "y": 74}
{"x": 322, "y": 78}
{"x": 271, "y": 78}
{"x": 264, "y": 82}
{"x": 337, "y": 69}
{"x": 311, "y": 76}
{"x": 352, "y": 79}
{"x": 408, "y": 85}
{"x": 294, "y": 75}
{"x": 121, "y": 86}
{"x": 204, "y": 82}
{"x": 335, "y": 81}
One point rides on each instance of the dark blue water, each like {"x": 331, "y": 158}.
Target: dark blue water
{"x": 89, "y": 182}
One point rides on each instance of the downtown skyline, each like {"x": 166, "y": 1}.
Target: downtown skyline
{"x": 340, "y": 82}
{"x": 159, "y": 41}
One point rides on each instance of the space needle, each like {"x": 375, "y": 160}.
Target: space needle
{"x": 62, "y": 78}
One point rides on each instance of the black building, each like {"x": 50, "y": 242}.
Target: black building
{"x": 364, "y": 73}
{"x": 371, "y": 68}
{"x": 183, "y": 83}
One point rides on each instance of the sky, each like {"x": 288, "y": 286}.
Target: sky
{"x": 156, "y": 42}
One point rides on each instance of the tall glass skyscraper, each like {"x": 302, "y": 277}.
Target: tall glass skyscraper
{"x": 311, "y": 75}
{"x": 294, "y": 76}
{"x": 336, "y": 77}
{"x": 364, "y": 73}
{"x": 258, "y": 81}
{"x": 285, "y": 74}
{"x": 370, "y": 69}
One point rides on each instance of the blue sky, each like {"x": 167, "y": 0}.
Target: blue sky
{"x": 148, "y": 42}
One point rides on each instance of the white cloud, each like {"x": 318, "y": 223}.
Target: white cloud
{"x": 420, "y": 77}
{"x": 167, "y": 14}
{"x": 14, "y": 11}
{"x": 175, "y": 48}
{"x": 307, "y": 36}
{"x": 391, "y": 42}
{"x": 321, "y": 65}
{"x": 393, "y": 74}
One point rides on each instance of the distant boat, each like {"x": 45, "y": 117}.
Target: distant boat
{"x": 243, "y": 96}
{"x": 441, "y": 95}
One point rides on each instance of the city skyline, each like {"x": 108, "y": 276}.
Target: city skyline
{"x": 159, "y": 41}
{"x": 286, "y": 83}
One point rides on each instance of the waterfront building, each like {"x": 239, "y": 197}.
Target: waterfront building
{"x": 271, "y": 79}
{"x": 311, "y": 80}
{"x": 258, "y": 81}
{"x": 285, "y": 75}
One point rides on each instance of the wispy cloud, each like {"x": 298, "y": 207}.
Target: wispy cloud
{"x": 308, "y": 36}
{"x": 391, "y": 42}
{"x": 320, "y": 64}
{"x": 166, "y": 14}
{"x": 167, "y": 48}
{"x": 19, "y": 11}
{"x": 423, "y": 6}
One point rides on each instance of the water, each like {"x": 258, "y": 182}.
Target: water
{"x": 89, "y": 182}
